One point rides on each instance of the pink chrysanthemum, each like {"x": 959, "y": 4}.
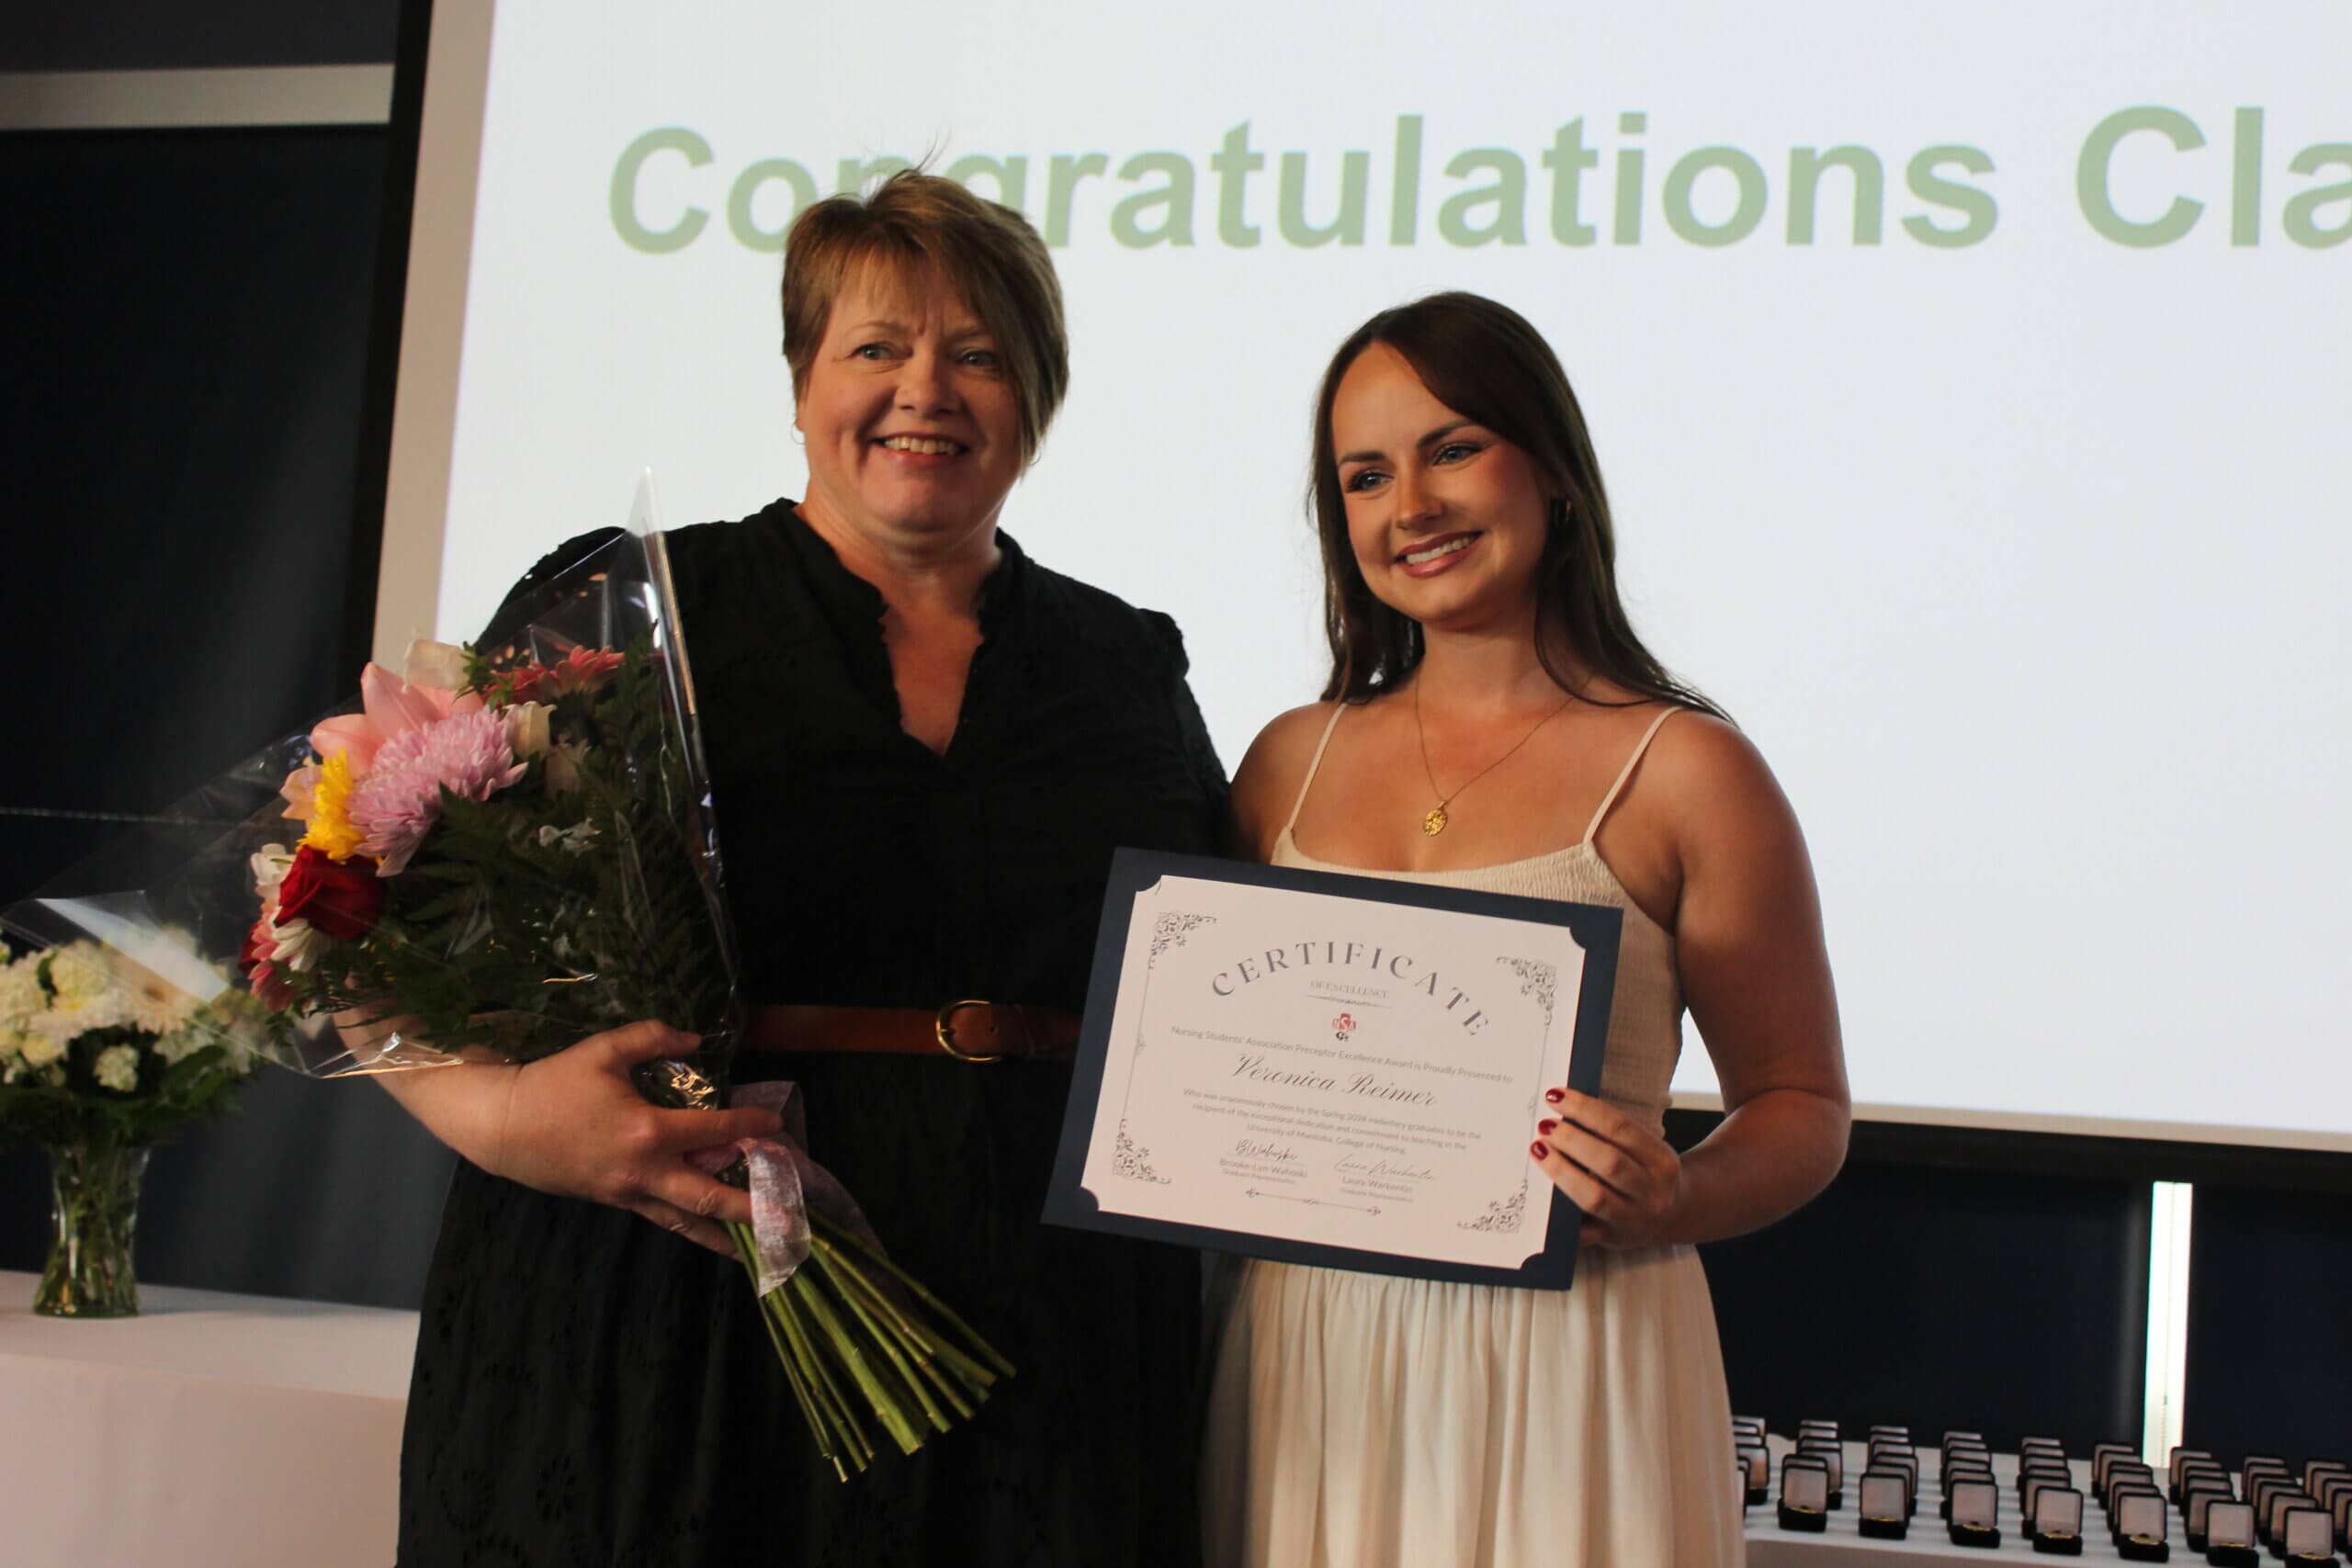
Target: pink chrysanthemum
{"x": 390, "y": 706}
{"x": 397, "y": 804}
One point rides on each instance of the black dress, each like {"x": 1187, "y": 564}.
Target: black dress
{"x": 590, "y": 1389}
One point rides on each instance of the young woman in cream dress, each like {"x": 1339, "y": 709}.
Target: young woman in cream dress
{"x": 1492, "y": 721}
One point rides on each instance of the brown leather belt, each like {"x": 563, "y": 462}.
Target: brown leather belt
{"x": 974, "y": 1031}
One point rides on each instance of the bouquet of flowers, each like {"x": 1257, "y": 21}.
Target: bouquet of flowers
{"x": 103, "y": 1056}
{"x": 504, "y": 849}
{"x": 491, "y": 863}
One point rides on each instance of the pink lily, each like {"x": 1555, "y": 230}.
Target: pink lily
{"x": 390, "y": 706}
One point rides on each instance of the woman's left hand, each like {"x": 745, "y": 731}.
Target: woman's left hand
{"x": 1625, "y": 1178}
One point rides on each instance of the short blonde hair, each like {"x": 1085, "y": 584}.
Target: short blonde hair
{"x": 987, "y": 252}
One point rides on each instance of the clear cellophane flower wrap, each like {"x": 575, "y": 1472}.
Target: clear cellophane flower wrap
{"x": 491, "y": 854}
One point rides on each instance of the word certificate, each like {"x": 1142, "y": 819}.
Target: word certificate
{"x": 1328, "y": 1070}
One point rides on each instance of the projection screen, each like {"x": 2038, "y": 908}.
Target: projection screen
{"x": 1972, "y": 389}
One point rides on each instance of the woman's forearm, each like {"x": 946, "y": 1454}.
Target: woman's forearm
{"x": 1769, "y": 1158}
{"x": 463, "y": 1104}
{"x": 573, "y": 1125}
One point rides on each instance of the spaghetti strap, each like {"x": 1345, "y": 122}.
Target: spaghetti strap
{"x": 1316, "y": 762}
{"x": 1627, "y": 772}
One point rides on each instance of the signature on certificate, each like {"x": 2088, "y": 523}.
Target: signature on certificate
{"x": 1356, "y": 1165}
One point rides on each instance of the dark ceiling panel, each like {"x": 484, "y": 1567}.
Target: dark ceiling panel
{"x": 180, "y": 35}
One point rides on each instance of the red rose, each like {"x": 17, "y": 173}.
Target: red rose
{"x": 340, "y": 898}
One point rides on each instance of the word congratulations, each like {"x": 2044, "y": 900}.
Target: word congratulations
{"x": 1333, "y": 953}
{"x": 662, "y": 200}
{"x": 1254, "y": 1068}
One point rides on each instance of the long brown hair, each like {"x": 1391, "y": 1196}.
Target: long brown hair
{"x": 1487, "y": 362}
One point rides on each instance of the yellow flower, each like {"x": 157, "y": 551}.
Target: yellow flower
{"x": 331, "y": 833}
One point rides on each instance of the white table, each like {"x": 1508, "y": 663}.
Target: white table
{"x": 211, "y": 1430}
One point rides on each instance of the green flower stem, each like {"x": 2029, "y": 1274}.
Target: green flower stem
{"x": 826, "y": 1447}
{"x": 95, "y": 1193}
{"x": 825, "y": 1230}
{"x": 937, "y": 1356}
{"x": 859, "y": 1337}
{"x": 850, "y": 1285}
{"x": 836, "y": 1431}
{"x": 860, "y": 1367}
{"x": 830, "y": 1421}
{"x": 952, "y": 1373}
{"x": 829, "y": 1395}
{"x": 795, "y": 1373}
{"x": 796, "y": 1314}
{"x": 952, "y": 1382}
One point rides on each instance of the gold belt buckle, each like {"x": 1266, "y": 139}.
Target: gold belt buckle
{"x": 945, "y": 1027}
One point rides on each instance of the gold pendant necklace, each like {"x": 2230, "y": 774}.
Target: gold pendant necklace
{"x": 1434, "y": 822}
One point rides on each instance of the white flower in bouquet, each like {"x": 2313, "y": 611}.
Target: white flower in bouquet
{"x": 529, "y": 730}
{"x": 45, "y": 1040}
{"x": 270, "y": 863}
{"x": 437, "y": 665}
{"x": 181, "y": 1044}
{"x": 117, "y": 1068}
{"x": 234, "y": 1020}
{"x": 84, "y": 988}
{"x": 298, "y": 945}
{"x": 576, "y": 840}
{"x": 151, "y": 1004}
{"x": 22, "y": 992}
{"x": 563, "y": 766}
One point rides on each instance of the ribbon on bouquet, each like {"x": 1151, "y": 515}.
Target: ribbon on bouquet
{"x": 785, "y": 1185}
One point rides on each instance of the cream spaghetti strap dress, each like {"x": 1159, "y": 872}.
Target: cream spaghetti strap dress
{"x": 1363, "y": 1421}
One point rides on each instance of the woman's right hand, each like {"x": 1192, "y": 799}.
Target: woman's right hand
{"x": 574, "y": 1124}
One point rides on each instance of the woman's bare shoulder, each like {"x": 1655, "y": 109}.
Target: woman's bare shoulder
{"x": 1709, "y": 782}
{"x": 1271, "y": 772}
{"x": 1700, "y": 752}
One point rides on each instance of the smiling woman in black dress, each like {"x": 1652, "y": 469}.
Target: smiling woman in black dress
{"x": 924, "y": 747}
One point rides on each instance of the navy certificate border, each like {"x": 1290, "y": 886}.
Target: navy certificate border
{"x": 1598, "y": 930}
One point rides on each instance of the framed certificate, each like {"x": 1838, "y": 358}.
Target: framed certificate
{"x": 1336, "y": 1070}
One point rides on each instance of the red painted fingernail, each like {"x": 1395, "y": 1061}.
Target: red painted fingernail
{"x": 1545, "y": 1126}
{"x": 1555, "y": 1095}
{"x": 1541, "y": 1151}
